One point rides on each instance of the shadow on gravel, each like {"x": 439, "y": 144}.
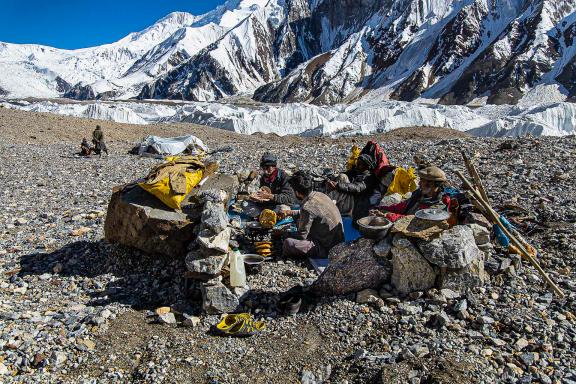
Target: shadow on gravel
{"x": 112, "y": 273}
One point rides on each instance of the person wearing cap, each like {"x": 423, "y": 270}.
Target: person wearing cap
{"x": 358, "y": 190}
{"x": 274, "y": 186}
{"x": 430, "y": 194}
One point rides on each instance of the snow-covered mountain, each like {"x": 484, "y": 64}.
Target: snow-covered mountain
{"x": 320, "y": 52}
{"x": 120, "y": 69}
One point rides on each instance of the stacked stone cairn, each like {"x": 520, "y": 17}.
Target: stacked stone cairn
{"x": 209, "y": 254}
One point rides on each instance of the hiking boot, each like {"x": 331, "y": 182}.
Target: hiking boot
{"x": 290, "y": 305}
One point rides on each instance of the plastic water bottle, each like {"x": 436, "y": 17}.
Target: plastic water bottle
{"x": 237, "y": 270}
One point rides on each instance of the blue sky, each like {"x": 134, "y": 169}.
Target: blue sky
{"x": 82, "y": 23}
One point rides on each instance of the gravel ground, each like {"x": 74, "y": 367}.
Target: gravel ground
{"x": 73, "y": 308}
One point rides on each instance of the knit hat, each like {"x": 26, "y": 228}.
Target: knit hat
{"x": 268, "y": 160}
{"x": 432, "y": 173}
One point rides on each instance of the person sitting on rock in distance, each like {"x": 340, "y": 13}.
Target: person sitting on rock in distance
{"x": 85, "y": 149}
{"x": 98, "y": 141}
{"x": 430, "y": 194}
{"x": 319, "y": 224}
{"x": 274, "y": 186}
{"x": 358, "y": 190}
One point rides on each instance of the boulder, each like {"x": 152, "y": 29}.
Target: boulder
{"x": 478, "y": 218}
{"x": 204, "y": 268}
{"x": 481, "y": 234}
{"x": 215, "y": 244}
{"x": 217, "y": 299}
{"x": 137, "y": 219}
{"x": 410, "y": 270}
{"x": 216, "y": 188}
{"x": 353, "y": 267}
{"x": 455, "y": 248}
{"x": 214, "y": 217}
{"x": 472, "y": 275}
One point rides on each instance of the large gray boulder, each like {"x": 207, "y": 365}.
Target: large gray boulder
{"x": 410, "y": 270}
{"x": 455, "y": 248}
{"x": 217, "y": 299}
{"x": 353, "y": 267}
{"x": 137, "y": 219}
{"x": 472, "y": 275}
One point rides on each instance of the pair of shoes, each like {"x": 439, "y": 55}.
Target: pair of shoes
{"x": 239, "y": 325}
{"x": 289, "y": 305}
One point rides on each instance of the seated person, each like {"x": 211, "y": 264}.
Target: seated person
{"x": 319, "y": 224}
{"x": 430, "y": 194}
{"x": 274, "y": 186}
{"x": 358, "y": 190}
{"x": 85, "y": 149}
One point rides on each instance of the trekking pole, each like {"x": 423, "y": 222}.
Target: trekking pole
{"x": 493, "y": 216}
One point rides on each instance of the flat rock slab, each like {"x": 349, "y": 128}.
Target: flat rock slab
{"x": 137, "y": 219}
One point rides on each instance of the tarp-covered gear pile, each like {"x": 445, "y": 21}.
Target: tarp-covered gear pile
{"x": 173, "y": 180}
{"x": 172, "y": 146}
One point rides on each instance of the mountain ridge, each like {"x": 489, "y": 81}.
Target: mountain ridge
{"x": 320, "y": 52}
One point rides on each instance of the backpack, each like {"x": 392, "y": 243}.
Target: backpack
{"x": 373, "y": 149}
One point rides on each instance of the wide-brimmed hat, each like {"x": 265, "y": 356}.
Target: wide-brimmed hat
{"x": 432, "y": 173}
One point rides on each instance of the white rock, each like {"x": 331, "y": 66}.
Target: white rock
{"x": 191, "y": 321}
{"x": 167, "y": 318}
{"x": 58, "y": 358}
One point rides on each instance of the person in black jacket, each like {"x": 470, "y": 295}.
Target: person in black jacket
{"x": 274, "y": 187}
{"x": 358, "y": 190}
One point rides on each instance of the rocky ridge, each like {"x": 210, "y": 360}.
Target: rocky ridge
{"x": 321, "y": 52}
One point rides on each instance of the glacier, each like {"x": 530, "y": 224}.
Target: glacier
{"x": 360, "y": 118}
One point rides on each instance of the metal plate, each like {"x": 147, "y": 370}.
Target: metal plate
{"x": 432, "y": 214}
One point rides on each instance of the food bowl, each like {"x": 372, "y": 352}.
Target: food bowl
{"x": 253, "y": 262}
{"x": 374, "y": 227}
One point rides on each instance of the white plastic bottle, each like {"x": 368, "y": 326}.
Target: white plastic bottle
{"x": 237, "y": 270}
